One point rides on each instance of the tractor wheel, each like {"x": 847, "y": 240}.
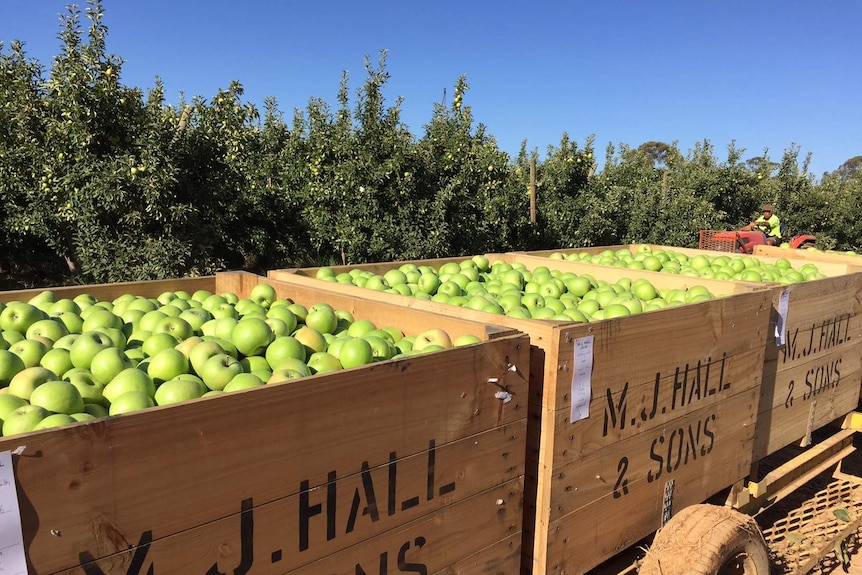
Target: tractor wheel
{"x": 806, "y": 245}
{"x": 707, "y": 540}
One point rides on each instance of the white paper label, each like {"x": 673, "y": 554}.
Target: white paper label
{"x": 781, "y": 326}
{"x": 581, "y": 386}
{"x": 12, "y": 559}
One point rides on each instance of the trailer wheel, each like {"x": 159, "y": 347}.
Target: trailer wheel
{"x": 707, "y": 540}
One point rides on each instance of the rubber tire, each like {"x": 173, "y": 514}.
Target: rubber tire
{"x": 707, "y": 540}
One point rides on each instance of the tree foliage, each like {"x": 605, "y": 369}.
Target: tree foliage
{"x": 104, "y": 182}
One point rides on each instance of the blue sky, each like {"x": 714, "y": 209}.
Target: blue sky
{"x": 766, "y": 74}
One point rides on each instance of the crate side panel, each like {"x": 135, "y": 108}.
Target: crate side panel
{"x": 818, "y": 365}
{"x": 203, "y": 457}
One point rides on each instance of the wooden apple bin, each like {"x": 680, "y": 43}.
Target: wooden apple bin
{"x": 674, "y": 398}
{"x": 414, "y": 462}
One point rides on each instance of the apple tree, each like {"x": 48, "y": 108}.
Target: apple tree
{"x": 466, "y": 183}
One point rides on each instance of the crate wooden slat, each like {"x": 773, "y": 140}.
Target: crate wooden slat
{"x": 725, "y": 333}
{"x": 421, "y": 441}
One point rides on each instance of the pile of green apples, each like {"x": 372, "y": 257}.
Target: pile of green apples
{"x": 834, "y": 252}
{"x": 513, "y": 290}
{"x": 68, "y": 360}
{"x": 724, "y": 267}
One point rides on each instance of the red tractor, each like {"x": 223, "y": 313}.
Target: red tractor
{"x": 744, "y": 242}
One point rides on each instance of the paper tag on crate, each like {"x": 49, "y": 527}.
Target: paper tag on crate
{"x": 12, "y": 558}
{"x": 781, "y": 325}
{"x": 581, "y": 384}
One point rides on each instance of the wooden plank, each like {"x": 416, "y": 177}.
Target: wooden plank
{"x": 257, "y": 541}
{"x": 501, "y": 558}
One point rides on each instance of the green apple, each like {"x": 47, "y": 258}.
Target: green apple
{"x": 55, "y": 420}
{"x": 176, "y": 326}
{"x": 360, "y": 327}
{"x": 96, "y": 410}
{"x": 278, "y": 327}
{"x": 108, "y": 363}
{"x": 117, "y": 336}
{"x": 312, "y": 339}
{"x": 71, "y": 320}
{"x": 251, "y": 336}
{"x": 432, "y": 336}
{"x": 323, "y": 362}
{"x": 321, "y": 317}
{"x": 64, "y": 305}
{"x": 50, "y": 328}
{"x": 177, "y": 390}
{"x": 130, "y": 379}
{"x": 284, "y": 314}
{"x": 149, "y": 320}
{"x": 283, "y": 348}
{"x": 30, "y": 351}
{"x": 291, "y": 364}
{"x": 90, "y": 389}
{"x": 101, "y": 318}
{"x": 466, "y": 339}
{"x": 355, "y": 352}
{"x": 23, "y": 419}
{"x": 10, "y": 366}
{"x": 263, "y": 294}
{"x": 58, "y": 397}
{"x": 254, "y": 363}
{"x": 66, "y": 341}
{"x": 243, "y": 381}
{"x": 143, "y": 304}
{"x": 19, "y": 316}
{"x": 200, "y": 353}
{"x": 158, "y": 342}
{"x": 130, "y": 401}
{"x": 86, "y": 346}
{"x": 219, "y": 370}
{"x": 224, "y": 327}
{"x": 167, "y": 364}
{"x": 381, "y": 348}
{"x": 8, "y": 404}
{"x": 188, "y": 344}
{"x": 57, "y": 359}
{"x": 196, "y": 318}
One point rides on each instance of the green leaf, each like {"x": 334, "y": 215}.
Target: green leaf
{"x": 842, "y": 514}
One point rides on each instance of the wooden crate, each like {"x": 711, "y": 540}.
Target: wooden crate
{"x": 816, "y": 376}
{"x": 672, "y": 409}
{"x": 413, "y": 462}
